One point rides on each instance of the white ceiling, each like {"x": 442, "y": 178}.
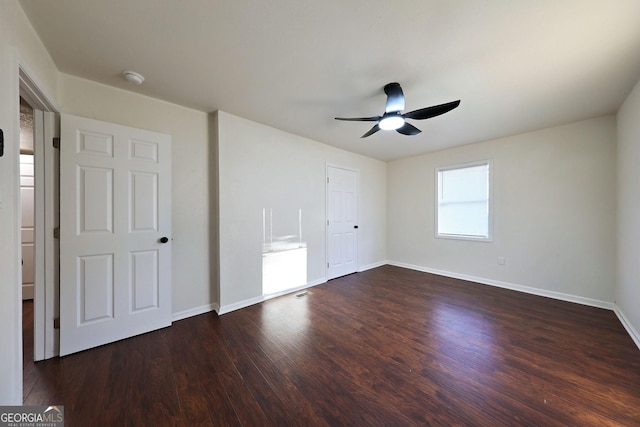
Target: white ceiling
{"x": 517, "y": 65}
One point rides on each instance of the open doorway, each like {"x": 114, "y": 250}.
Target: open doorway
{"x": 27, "y": 230}
{"x": 27, "y": 198}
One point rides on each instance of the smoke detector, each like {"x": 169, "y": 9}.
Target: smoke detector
{"x": 133, "y": 77}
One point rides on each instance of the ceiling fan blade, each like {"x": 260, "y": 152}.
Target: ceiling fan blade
{"x": 373, "y": 130}
{"x": 359, "y": 119}
{"x": 395, "y": 98}
{"x": 408, "y": 129}
{"x": 427, "y": 113}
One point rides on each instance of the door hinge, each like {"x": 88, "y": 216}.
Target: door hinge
{"x": 56, "y": 233}
{"x": 56, "y": 323}
{"x": 327, "y": 180}
{"x": 327, "y": 222}
{"x": 56, "y": 142}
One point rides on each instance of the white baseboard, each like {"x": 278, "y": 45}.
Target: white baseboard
{"x": 521, "y": 288}
{"x": 635, "y": 336}
{"x": 374, "y": 265}
{"x": 224, "y": 309}
{"x": 194, "y": 311}
{"x": 27, "y": 291}
{"x": 251, "y": 301}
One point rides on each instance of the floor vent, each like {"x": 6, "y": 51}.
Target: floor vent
{"x": 303, "y": 294}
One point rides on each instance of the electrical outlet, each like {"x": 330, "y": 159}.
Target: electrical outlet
{"x": 500, "y": 260}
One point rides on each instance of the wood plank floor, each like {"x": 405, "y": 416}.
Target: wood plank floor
{"x": 386, "y": 347}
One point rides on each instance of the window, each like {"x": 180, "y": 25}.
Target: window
{"x": 464, "y": 201}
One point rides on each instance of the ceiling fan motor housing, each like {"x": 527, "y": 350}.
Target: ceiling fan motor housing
{"x": 393, "y": 119}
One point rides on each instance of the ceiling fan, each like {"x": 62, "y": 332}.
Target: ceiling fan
{"x": 392, "y": 119}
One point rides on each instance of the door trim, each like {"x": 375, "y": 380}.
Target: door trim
{"x": 45, "y": 261}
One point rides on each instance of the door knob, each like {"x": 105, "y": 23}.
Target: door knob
{"x": 355, "y": 226}
{"x": 164, "y": 239}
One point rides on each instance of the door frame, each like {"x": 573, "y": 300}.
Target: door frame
{"x": 326, "y": 222}
{"x": 46, "y": 126}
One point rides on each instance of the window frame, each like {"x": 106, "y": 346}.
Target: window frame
{"x": 489, "y": 237}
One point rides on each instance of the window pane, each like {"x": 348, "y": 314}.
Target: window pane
{"x": 461, "y": 185}
{"x": 468, "y": 219}
{"x": 463, "y": 201}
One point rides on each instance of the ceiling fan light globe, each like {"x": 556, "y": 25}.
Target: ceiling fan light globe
{"x": 391, "y": 123}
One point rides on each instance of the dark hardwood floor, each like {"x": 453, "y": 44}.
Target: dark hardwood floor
{"x": 386, "y": 347}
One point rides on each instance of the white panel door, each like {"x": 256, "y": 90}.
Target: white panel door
{"x": 115, "y": 232}
{"x": 342, "y": 225}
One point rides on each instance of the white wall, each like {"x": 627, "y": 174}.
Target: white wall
{"x": 262, "y": 167}
{"x": 193, "y": 289}
{"x": 628, "y": 267}
{"x": 19, "y": 45}
{"x": 554, "y": 212}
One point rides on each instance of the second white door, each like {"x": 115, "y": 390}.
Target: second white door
{"x": 342, "y": 221}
